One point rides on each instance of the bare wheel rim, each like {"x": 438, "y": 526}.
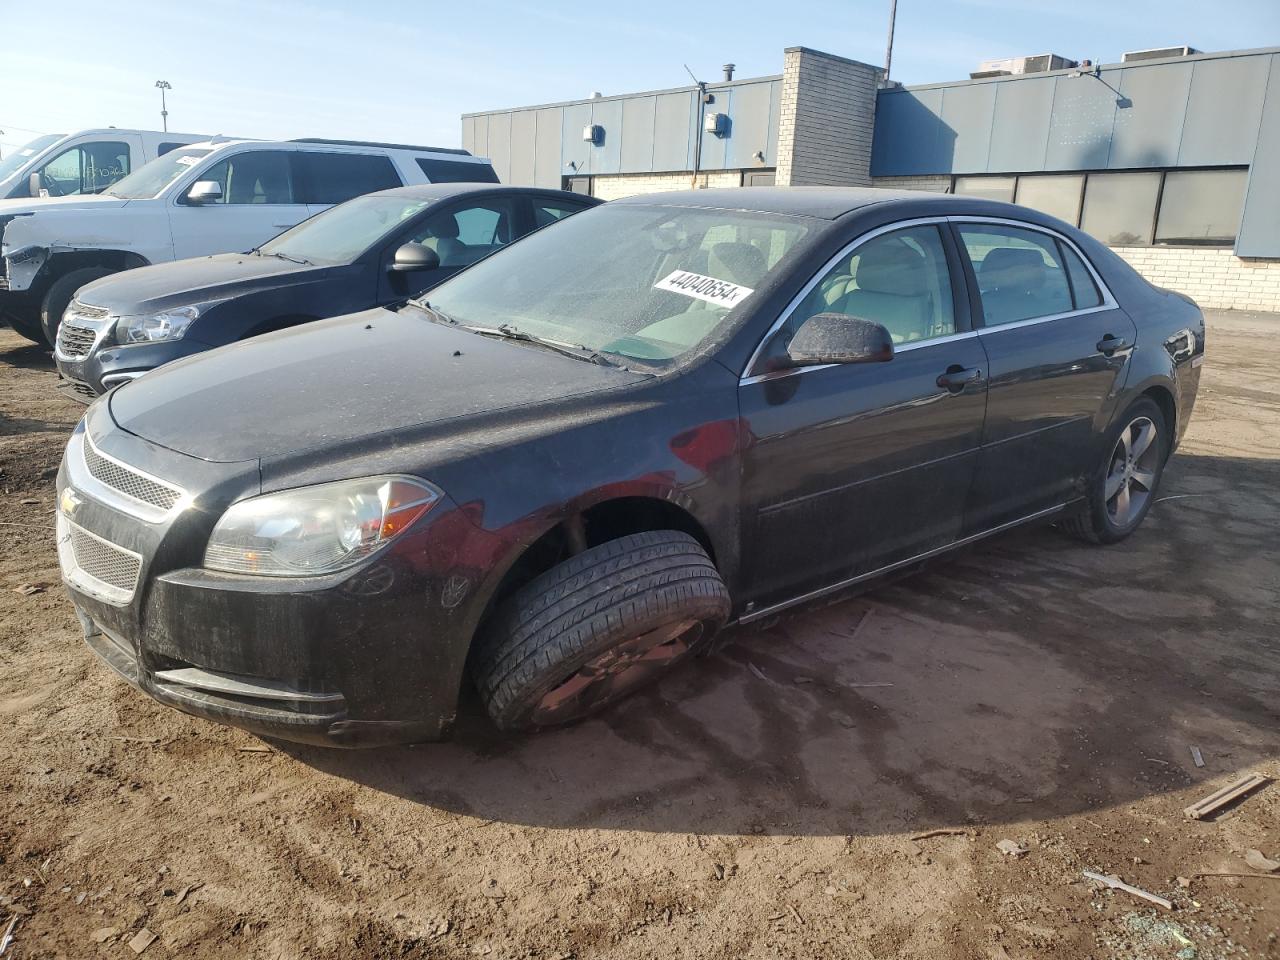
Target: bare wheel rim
{"x": 1131, "y": 471}
{"x": 616, "y": 672}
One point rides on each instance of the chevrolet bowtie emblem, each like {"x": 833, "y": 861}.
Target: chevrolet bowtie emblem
{"x": 69, "y": 502}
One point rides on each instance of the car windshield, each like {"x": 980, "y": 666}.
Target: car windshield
{"x": 22, "y": 156}
{"x": 150, "y": 178}
{"x": 342, "y": 233}
{"x": 648, "y": 283}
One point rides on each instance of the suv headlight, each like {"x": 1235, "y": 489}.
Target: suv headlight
{"x": 166, "y": 325}
{"x": 315, "y": 530}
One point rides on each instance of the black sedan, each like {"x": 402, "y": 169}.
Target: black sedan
{"x": 568, "y": 467}
{"x": 375, "y": 249}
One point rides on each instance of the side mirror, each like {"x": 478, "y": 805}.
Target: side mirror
{"x": 205, "y": 191}
{"x": 837, "y": 338}
{"x": 415, "y": 257}
{"x": 34, "y": 186}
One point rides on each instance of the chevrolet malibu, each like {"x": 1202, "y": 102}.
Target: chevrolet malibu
{"x": 564, "y": 470}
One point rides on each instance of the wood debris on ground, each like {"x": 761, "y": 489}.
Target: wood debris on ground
{"x": 1227, "y": 795}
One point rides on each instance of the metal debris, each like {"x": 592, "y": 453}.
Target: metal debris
{"x": 1228, "y": 794}
{"x": 1115, "y": 883}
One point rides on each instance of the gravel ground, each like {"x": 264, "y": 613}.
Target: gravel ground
{"x": 834, "y": 785}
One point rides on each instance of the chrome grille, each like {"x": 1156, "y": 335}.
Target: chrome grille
{"x": 89, "y": 311}
{"x": 104, "y": 561}
{"x": 129, "y": 482}
{"x": 75, "y": 342}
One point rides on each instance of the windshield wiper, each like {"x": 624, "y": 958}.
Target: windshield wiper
{"x": 284, "y": 256}
{"x": 435, "y": 312}
{"x": 507, "y": 332}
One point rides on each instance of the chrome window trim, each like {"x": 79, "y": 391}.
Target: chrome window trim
{"x": 818, "y": 275}
{"x": 83, "y": 480}
{"x": 1108, "y": 300}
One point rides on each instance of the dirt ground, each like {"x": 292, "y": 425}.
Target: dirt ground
{"x": 769, "y": 801}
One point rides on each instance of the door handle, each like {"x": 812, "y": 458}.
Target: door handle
{"x": 1111, "y": 344}
{"x": 957, "y": 377}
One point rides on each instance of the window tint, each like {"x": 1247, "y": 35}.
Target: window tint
{"x": 336, "y": 177}
{"x": 1119, "y": 208}
{"x": 899, "y": 279}
{"x": 87, "y": 168}
{"x": 256, "y": 177}
{"x": 1201, "y": 206}
{"x": 1020, "y": 273}
{"x": 1058, "y": 196}
{"x": 545, "y": 213}
{"x": 463, "y": 235}
{"x": 1083, "y": 290}
{"x": 986, "y": 188}
{"x": 456, "y": 171}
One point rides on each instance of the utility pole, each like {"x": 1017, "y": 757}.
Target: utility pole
{"x": 888, "y": 53}
{"x": 164, "y": 85}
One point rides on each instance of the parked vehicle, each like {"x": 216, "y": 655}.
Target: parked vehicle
{"x": 217, "y": 196}
{"x": 375, "y": 249}
{"x": 569, "y": 466}
{"x": 83, "y": 163}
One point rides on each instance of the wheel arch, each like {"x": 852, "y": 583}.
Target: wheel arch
{"x": 63, "y": 262}
{"x": 1164, "y": 399}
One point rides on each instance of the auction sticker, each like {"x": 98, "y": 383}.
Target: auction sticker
{"x": 720, "y": 292}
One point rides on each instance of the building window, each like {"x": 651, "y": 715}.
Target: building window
{"x": 1120, "y": 208}
{"x": 1201, "y": 206}
{"x": 1058, "y": 196}
{"x": 986, "y": 188}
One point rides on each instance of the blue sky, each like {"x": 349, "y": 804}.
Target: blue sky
{"x": 405, "y": 71}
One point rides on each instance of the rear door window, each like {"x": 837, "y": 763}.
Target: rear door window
{"x": 1020, "y": 273}
{"x": 253, "y": 177}
{"x": 327, "y": 178}
{"x": 456, "y": 171}
{"x": 464, "y": 234}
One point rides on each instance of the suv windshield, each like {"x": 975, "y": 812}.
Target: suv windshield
{"x": 342, "y": 233}
{"x": 649, "y": 283}
{"x": 22, "y": 156}
{"x": 150, "y": 178}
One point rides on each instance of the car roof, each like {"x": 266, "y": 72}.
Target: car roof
{"x": 447, "y": 191}
{"x": 826, "y": 203}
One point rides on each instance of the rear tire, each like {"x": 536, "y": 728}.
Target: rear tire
{"x": 59, "y": 295}
{"x": 1123, "y": 487}
{"x": 596, "y": 627}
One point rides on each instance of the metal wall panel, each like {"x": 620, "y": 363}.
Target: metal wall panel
{"x": 606, "y": 155}
{"x": 524, "y": 144}
{"x": 573, "y": 149}
{"x": 548, "y": 167}
{"x": 750, "y": 126}
{"x": 469, "y": 134}
{"x": 1084, "y": 112}
{"x": 1260, "y": 227}
{"x": 715, "y": 149}
{"x": 775, "y": 117}
{"x": 671, "y": 126}
{"x": 967, "y": 116}
{"x": 500, "y": 145}
{"x": 1020, "y": 124}
{"x": 1223, "y": 111}
{"x": 1148, "y": 118}
{"x": 481, "y": 136}
{"x": 637, "y": 135}
{"x": 909, "y": 135}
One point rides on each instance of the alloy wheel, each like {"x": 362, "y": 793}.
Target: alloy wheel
{"x": 1132, "y": 471}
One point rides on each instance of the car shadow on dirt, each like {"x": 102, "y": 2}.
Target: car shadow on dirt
{"x": 28, "y": 356}
{"x": 1025, "y": 678}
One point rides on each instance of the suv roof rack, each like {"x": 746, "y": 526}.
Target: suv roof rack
{"x": 389, "y": 146}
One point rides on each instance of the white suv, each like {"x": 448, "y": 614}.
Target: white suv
{"x": 217, "y": 196}
{"x": 83, "y": 163}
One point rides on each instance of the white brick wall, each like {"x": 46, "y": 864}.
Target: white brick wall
{"x": 938, "y": 184}
{"x": 1214, "y": 277}
{"x": 628, "y": 185}
{"x": 826, "y": 120}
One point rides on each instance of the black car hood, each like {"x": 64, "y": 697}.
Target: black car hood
{"x": 183, "y": 282}
{"x": 329, "y": 382}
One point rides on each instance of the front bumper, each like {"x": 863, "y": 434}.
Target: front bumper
{"x": 371, "y": 655}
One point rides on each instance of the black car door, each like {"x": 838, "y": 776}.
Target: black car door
{"x": 1058, "y": 346}
{"x": 852, "y": 468}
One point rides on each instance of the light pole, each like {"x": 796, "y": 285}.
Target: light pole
{"x": 162, "y": 86}
{"x": 888, "y": 51}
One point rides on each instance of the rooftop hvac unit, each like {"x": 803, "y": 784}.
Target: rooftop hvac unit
{"x": 1040, "y": 63}
{"x": 717, "y": 123}
{"x": 1157, "y": 53}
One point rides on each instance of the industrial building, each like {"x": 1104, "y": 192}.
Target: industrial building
{"x": 1171, "y": 156}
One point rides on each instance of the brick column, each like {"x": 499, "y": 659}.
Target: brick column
{"x": 826, "y": 120}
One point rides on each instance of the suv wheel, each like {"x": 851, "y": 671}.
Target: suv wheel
{"x": 1122, "y": 490}
{"x": 597, "y": 627}
{"x": 59, "y": 297}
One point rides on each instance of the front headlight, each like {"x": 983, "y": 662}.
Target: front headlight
{"x": 165, "y": 325}
{"x": 315, "y": 530}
